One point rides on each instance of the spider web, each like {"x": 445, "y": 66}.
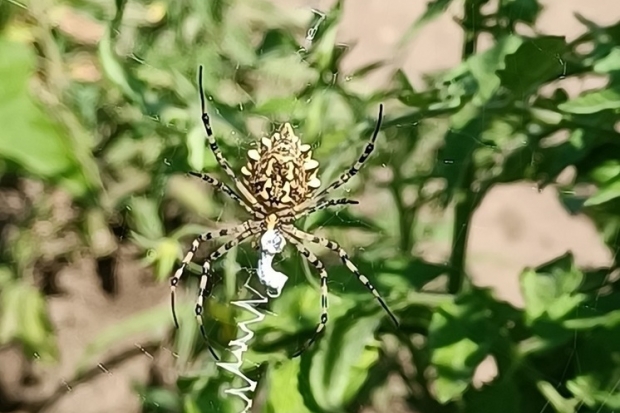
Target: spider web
{"x": 434, "y": 247}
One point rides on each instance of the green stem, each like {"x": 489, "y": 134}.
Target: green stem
{"x": 465, "y": 202}
{"x": 463, "y": 211}
{"x": 405, "y": 215}
{"x": 471, "y": 23}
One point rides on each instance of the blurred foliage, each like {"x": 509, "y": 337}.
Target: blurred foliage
{"x": 100, "y": 120}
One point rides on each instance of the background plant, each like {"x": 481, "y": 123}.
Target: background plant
{"x": 97, "y": 136}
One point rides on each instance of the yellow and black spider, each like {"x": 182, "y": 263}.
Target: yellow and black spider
{"x": 279, "y": 184}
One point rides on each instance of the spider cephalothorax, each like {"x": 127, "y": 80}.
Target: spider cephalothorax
{"x": 281, "y": 172}
{"x": 279, "y": 187}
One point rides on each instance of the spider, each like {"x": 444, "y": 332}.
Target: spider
{"x": 280, "y": 185}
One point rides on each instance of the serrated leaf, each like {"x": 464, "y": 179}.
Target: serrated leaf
{"x": 550, "y": 291}
{"x": 484, "y": 67}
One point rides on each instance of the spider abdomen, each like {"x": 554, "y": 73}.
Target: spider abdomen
{"x": 281, "y": 172}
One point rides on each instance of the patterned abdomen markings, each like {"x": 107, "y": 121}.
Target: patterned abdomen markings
{"x": 281, "y": 172}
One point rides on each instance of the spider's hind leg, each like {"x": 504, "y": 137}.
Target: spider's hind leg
{"x": 344, "y": 257}
{"x": 206, "y": 275}
{"x": 316, "y": 263}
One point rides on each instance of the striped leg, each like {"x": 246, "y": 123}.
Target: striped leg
{"x": 228, "y": 191}
{"x": 218, "y": 153}
{"x": 291, "y": 230}
{"x": 316, "y": 263}
{"x": 206, "y": 272}
{"x": 321, "y": 205}
{"x": 174, "y": 281}
{"x": 353, "y": 170}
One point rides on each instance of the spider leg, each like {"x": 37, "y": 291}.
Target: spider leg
{"x": 324, "y": 242}
{"x": 316, "y": 263}
{"x": 174, "y": 281}
{"x": 228, "y": 191}
{"x": 204, "y": 278}
{"x": 218, "y": 153}
{"x": 353, "y": 170}
{"x": 319, "y": 206}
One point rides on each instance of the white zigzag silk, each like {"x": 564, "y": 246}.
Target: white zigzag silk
{"x": 271, "y": 243}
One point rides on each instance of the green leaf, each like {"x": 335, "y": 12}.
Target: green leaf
{"x": 484, "y": 67}
{"x": 592, "y": 102}
{"x": 30, "y": 138}
{"x": 115, "y": 72}
{"x": 550, "y": 291}
{"x": 146, "y": 218}
{"x": 460, "y": 337}
{"x": 24, "y": 316}
{"x": 596, "y": 378}
{"x": 341, "y": 365}
{"x": 537, "y": 61}
{"x": 281, "y": 379}
{"x": 323, "y": 49}
{"x": 610, "y": 63}
{"x": 609, "y": 191}
{"x": 519, "y": 10}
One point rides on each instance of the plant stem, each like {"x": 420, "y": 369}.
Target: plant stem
{"x": 465, "y": 202}
{"x": 405, "y": 215}
{"x": 463, "y": 211}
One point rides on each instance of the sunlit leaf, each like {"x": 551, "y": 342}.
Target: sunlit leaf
{"x": 340, "y": 365}
{"x": 30, "y": 138}
{"x": 282, "y": 379}
{"x": 550, "y": 291}
{"x": 484, "y": 67}
{"x": 592, "y": 102}
{"x": 610, "y": 190}
{"x": 460, "y": 336}
{"x": 115, "y": 72}
{"x": 146, "y": 218}
{"x": 24, "y": 316}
